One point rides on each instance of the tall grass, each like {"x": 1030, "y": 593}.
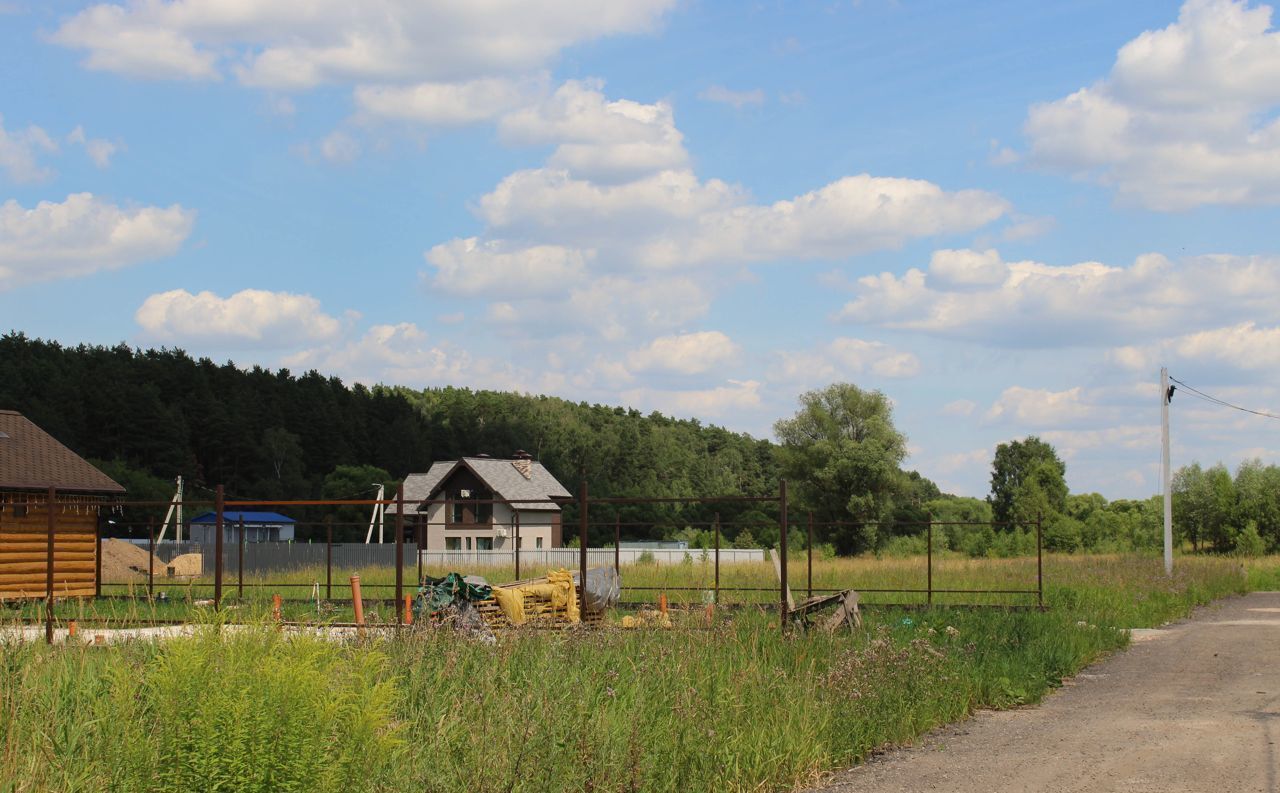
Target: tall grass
{"x": 739, "y": 705}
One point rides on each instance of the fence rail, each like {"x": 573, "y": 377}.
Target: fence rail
{"x": 228, "y": 562}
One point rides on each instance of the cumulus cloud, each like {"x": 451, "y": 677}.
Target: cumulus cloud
{"x": 442, "y": 103}
{"x": 1186, "y": 117}
{"x": 20, "y": 151}
{"x": 295, "y": 45}
{"x": 686, "y": 353}
{"x": 615, "y": 208}
{"x": 475, "y": 268}
{"x": 735, "y": 395}
{"x": 960, "y": 407}
{"x": 737, "y": 99}
{"x": 596, "y": 138}
{"x": 1242, "y": 347}
{"x": 251, "y": 317}
{"x": 1085, "y": 304}
{"x": 82, "y": 235}
{"x": 99, "y": 150}
{"x": 843, "y": 359}
{"x": 1040, "y": 408}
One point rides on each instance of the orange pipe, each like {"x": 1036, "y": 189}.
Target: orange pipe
{"x": 408, "y": 609}
{"x": 71, "y": 629}
{"x": 355, "y": 599}
{"x": 662, "y": 603}
{"x": 277, "y": 608}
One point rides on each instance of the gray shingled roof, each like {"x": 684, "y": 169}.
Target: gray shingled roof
{"x": 501, "y": 477}
{"x": 31, "y": 459}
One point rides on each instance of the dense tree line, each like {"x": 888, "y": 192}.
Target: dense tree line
{"x": 150, "y": 415}
{"x": 1215, "y": 511}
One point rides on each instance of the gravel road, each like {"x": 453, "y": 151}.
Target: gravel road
{"x": 1194, "y": 706}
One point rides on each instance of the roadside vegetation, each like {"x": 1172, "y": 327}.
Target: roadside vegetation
{"x": 734, "y": 706}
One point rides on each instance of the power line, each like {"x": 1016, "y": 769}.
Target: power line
{"x": 1222, "y": 402}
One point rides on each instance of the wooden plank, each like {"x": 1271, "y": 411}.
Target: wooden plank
{"x": 60, "y": 555}
{"x": 26, "y": 578}
{"x": 59, "y": 566}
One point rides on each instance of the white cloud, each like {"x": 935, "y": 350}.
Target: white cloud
{"x": 488, "y": 269}
{"x": 1086, "y": 304}
{"x": 251, "y": 317}
{"x": 596, "y": 138}
{"x": 843, "y": 359}
{"x": 19, "y": 151}
{"x": 82, "y": 235}
{"x": 736, "y": 395}
{"x": 963, "y": 269}
{"x": 1127, "y": 437}
{"x": 960, "y": 407}
{"x": 1185, "y": 118}
{"x": 1037, "y": 408}
{"x": 444, "y": 104}
{"x": 736, "y": 99}
{"x": 1243, "y": 346}
{"x": 296, "y": 44}
{"x": 339, "y": 148}
{"x": 959, "y": 461}
{"x": 686, "y": 353}
{"x": 99, "y": 150}
{"x": 615, "y": 207}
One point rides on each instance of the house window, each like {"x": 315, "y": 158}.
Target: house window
{"x": 467, "y": 509}
{"x": 484, "y": 543}
{"x": 453, "y": 543}
{"x": 468, "y": 543}
{"x": 539, "y": 541}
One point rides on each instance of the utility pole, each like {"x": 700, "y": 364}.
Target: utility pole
{"x": 1165, "y": 395}
{"x": 178, "y": 526}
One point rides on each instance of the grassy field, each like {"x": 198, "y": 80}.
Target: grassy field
{"x": 737, "y": 706}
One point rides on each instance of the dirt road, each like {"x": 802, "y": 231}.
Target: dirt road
{"x": 1194, "y": 706}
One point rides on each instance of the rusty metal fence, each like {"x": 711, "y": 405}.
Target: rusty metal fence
{"x": 135, "y": 516}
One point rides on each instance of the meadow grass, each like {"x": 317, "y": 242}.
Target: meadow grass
{"x": 739, "y": 705}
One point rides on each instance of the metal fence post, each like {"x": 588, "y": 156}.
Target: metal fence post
{"x": 1039, "y": 561}
{"x": 516, "y": 519}
{"x": 929, "y": 562}
{"x": 422, "y": 540}
{"x": 617, "y": 544}
{"x": 217, "y": 548}
{"x": 328, "y": 560}
{"x": 810, "y": 554}
{"x": 782, "y": 552}
{"x": 399, "y": 551}
{"x": 48, "y": 571}
{"x": 582, "y": 545}
{"x": 717, "y": 589}
{"x": 240, "y": 561}
{"x": 151, "y": 556}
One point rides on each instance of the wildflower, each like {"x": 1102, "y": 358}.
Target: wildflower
{"x": 952, "y": 631}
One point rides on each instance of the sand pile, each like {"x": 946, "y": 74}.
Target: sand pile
{"x": 123, "y": 561}
{"x": 188, "y": 564}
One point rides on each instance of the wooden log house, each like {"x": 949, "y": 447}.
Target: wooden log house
{"x": 32, "y": 461}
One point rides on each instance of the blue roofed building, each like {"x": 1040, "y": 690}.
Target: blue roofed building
{"x": 258, "y": 527}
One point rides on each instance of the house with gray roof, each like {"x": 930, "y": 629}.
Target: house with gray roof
{"x": 484, "y": 504}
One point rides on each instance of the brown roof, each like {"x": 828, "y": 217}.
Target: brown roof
{"x": 31, "y": 459}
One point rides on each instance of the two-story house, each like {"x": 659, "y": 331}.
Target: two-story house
{"x": 475, "y": 504}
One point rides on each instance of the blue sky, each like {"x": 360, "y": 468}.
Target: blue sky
{"x": 1004, "y": 216}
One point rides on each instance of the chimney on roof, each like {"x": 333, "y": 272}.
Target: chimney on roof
{"x": 523, "y": 463}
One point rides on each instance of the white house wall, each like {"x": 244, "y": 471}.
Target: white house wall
{"x": 534, "y": 526}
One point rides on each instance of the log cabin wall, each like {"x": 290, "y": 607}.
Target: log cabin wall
{"x": 24, "y": 548}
